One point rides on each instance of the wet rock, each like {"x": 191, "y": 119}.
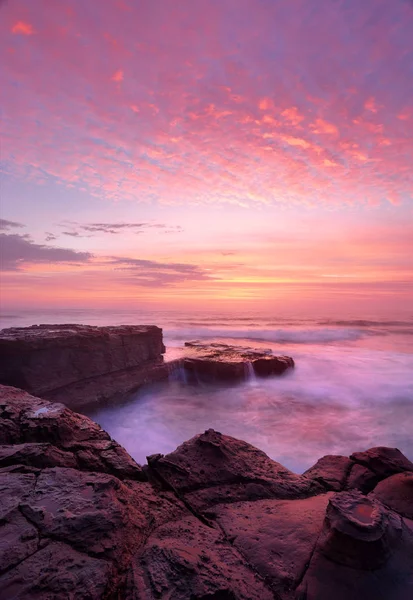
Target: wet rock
{"x": 224, "y": 362}
{"x": 208, "y": 370}
{"x": 396, "y": 492}
{"x": 331, "y": 471}
{"x": 272, "y": 365}
{"x": 80, "y": 364}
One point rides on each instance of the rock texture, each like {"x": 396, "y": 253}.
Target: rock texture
{"x": 223, "y": 362}
{"x": 216, "y": 519}
{"x": 80, "y": 364}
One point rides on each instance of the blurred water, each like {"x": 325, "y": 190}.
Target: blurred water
{"x": 352, "y": 387}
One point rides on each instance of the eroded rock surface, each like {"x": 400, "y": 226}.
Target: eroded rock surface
{"x": 80, "y": 364}
{"x": 224, "y": 362}
{"x": 216, "y": 519}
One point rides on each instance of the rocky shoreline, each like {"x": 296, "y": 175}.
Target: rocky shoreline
{"x": 82, "y": 365}
{"x": 216, "y": 519}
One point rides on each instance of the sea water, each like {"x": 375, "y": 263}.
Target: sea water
{"x": 352, "y": 387}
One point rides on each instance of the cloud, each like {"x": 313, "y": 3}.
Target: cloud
{"x": 22, "y": 28}
{"x": 371, "y": 105}
{"x": 18, "y": 251}
{"x": 112, "y": 228}
{"x": 292, "y": 115}
{"x": 118, "y": 76}
{"x": 202, "y": 120}
{"x": 71, "y": 233}
{"x": 50, "y": 237}
{"x": 116, "y": 228}
{"x": 323, "y": 127}
{"x": 152, "y": 273}
{"x": 6, "y": 225}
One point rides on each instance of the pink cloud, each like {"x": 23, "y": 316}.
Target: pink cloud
{"x": 371, "y": 105}
{"x": 292, "y": 115}
{"x": 22, "y": 28}
{"x": 323, "y": 127}
{"x": 118, "y": 76}
{"x": 182, "y": 130}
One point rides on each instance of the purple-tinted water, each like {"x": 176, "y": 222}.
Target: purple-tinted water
{"x": 352, "y": 387}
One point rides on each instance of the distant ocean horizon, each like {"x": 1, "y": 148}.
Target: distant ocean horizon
{"x": 352, "y": 387}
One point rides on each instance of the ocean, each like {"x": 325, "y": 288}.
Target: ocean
{"x": 352, "y": 387}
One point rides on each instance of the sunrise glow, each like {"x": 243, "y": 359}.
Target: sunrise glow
{"x": 236, "y": 152}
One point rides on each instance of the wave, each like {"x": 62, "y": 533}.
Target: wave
{"x": 278, "y": 336}
{"x": 366, "y": 323}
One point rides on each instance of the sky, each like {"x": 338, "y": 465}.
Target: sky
{"x": 207, "y": 153}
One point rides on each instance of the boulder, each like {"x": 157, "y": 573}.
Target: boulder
{"x": 40, "y": 434}
{"x": 272, "y": 365}
{"x": 382, "y": 461}
{"x": 363, "y": 552}
{"x": 212, "y": 468}
{"x": 361, "y": 478}
{"x": 396, "y": 492}
{"x": 331, "y": 471}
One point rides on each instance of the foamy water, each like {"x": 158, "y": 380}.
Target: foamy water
{"x": 352, "y": 387}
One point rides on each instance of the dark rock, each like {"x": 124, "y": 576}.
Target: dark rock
{"x": 361, "y": 478}
{"x": 60, "y": 361}
{"x": 272, "y": 365}
{"x": 224, "y": 362}
{"x": 48, "y": 434}
{"x": 216, "y": 520}
{"x": 396, "y": 492}
{"x": 277, "y": 537}
{"x": 363, "y": 553}
{"x": 331, "y": 471}
{"x": 57, "y": 571}
{"x": 215, "y": 370}
{"x": 18, "y": 540}
{"x": 92, "y": 512}
{"x": 36, "y": 455}
{"x": 212, "y": 468}
{"x": 186, "y": 560}
{"x": 383, "y": 461}
{"x": 358, "y": 532}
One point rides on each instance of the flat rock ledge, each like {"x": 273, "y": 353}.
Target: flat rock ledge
{"x": 81, "y": 364}
{"x": 216, "y": 519}
{"x": 223, "y": 362}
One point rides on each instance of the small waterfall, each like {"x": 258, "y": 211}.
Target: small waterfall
{"x": 249, "y": 371}
{"x": 178, "y": 373}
